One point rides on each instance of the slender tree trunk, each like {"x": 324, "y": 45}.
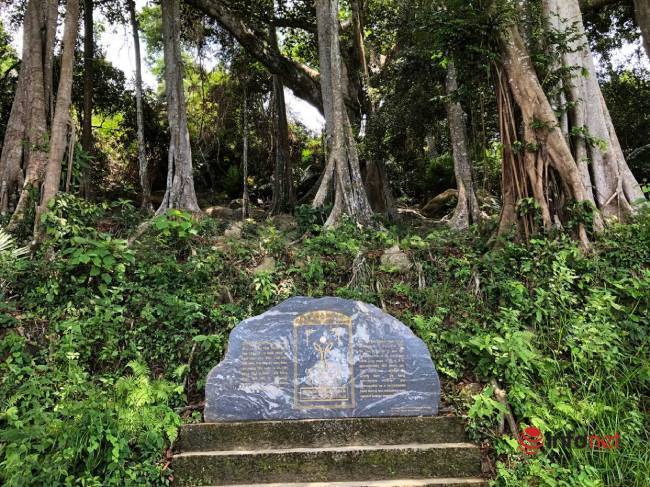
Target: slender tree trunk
{"x": 245, "y": 196}
{"x": 180, "y": 192}
{"x": 284, "y": 198}
{"x": 71, "y": 148}
{"x": 544, "y": 147}
{"x": 61, "y": 119}
{"x": 87, "y": 117}
{"x": 606, "y": 176}
{"x": 642, "y": 13}
{"x": 350, "y": 195}
{"x": 360, "y": 46}
{"x": 35, "y": 153}
{"x": 376, "y": 181}
{"x": 143, "y": 167}
{"x": 50, "y": 38}
{"x": 467, "y": 210}
{"x": 88, "y": 59}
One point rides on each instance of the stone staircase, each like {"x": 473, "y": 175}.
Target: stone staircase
{"x": 355, "y": 452}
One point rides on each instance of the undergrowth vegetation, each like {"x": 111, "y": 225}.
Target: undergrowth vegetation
{"x": 105, "y": 346}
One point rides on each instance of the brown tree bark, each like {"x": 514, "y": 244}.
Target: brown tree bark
{"x": 39, "y": 30}
{"x": 544, "y": 146}
{"x": 180, "y": 192}
{"x": 607, "y": 179}
{"x": 143, "y": 166}
{"x": 61, "y": 119}
{"x": 467, "y": 210}
{"x": 350, "y": 195}
{"x": 36, "y": 135}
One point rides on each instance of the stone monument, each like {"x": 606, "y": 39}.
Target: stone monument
{"x": 322, "y": 358}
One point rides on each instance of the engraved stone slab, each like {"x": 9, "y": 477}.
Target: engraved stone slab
{"x": 322, "y": 358}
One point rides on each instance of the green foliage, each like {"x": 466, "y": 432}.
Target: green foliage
{"x": 232, "y": 183}
{"x": 176, "y": 224}
{"x": 88, "y": 386}
{"x": 96, "y": 261}
{"x": 310, "y": 218}
{"x": 265, "y": 289}
{"x": 60, "y": 426}
{"x": 627, "y": 93}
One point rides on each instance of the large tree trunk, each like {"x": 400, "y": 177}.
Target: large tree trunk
{"x": 467, "y": 210}
{"x": 87, "y": 118}
{"x": 143, "y": 167}
{"x": 61, "y": 113}
{"x": 35, "y": 153}
{"x": 380, "y": 195}
{"x": 350, "y": 195}
{"x": 180, "y": 181}
{"x": 284, "y": 198}
{"x": 607, "y": 179}
{"x": 326, "y": 185}
{"x": 642, "y": 13}
{"x": 526, "y": 171}
{"x": 39, "y": 31}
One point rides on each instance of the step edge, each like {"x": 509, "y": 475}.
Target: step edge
{"x": 214, "y": 424}
{"x": 371, "y": 483}
{"x": 337, "y": 449}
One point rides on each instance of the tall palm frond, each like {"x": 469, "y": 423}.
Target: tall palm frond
{"x": 8, "y": 246}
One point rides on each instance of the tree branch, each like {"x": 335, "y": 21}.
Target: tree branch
{"x": 303, "y": 80}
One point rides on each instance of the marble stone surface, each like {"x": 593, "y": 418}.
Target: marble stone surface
{"x": 322, "y": 358}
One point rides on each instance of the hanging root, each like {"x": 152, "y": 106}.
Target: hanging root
{"x": 360, "y": 272}
{"x": 500, "y": 395}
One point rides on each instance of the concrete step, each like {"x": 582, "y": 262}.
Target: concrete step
{"x": 341, "y": 464}
{"x": 258, "y": 435}
{"x": 457, "y": 482}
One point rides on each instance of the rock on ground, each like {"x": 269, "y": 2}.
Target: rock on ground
{"x": 396, "y": 259}
{"x": 234, "y": 230}
{"x": 267, "y": 265}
